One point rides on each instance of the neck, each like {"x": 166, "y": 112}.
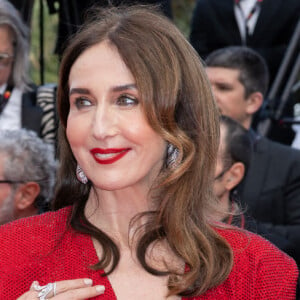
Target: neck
{"x": 113, "y": 211}
{"x": 247, "y": 123}
{"x": 23, "y": 213}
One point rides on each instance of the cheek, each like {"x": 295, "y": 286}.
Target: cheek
{"x": 149, "y": 140}
{"x": 156, "y": 146}
{"x": 219, "y": 167}
{"x": 75, "y": 131}
{"x": 4, "y": 75}
{"x": 134, "y": 127}
{"x": 218, "y": 189}
{"x": 4, "y": 193}
{"x": 150, "y": 137}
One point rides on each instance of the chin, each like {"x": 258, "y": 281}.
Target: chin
{"x": 109, "y": 186}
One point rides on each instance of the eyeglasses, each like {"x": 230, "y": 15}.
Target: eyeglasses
{"x": 11, "y": 181}
{"x": 22, "y": 181}
{"x": 216, "y": 178}
{"x": 5, "y": 59}
{"x": 222, "y": 173}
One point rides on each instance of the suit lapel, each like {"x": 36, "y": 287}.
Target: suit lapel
{"x": 225, "y": 13}
{"x": 265, "y": 19}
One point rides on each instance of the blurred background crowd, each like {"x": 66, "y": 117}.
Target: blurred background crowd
{"x": 208, "y": 25}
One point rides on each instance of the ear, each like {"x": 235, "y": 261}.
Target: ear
{"x": 234, "y": 175}
{"x": 254, "y": 102}
{"x": 26, "y": 195}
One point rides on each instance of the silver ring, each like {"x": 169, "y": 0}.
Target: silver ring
{"x": 45, "y": 290}
{"x": 54, "y": 289}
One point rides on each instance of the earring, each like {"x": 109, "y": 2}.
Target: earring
{"x": 80, "y": 175}
{"x": 172, "y": 155}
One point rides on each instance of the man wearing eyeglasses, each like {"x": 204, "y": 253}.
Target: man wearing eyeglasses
{"x": 20, "y": 106}
{"x": 27, "y": 174}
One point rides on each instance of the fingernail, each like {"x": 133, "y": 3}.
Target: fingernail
{"x": 88, "y": 281}
{"x": 34, "y": 285}
{"x": 100, "y": 288}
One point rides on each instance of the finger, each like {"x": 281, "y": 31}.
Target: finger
{"x": 25, "y": 296}
{"x": 28, "y": 296}
{"x": 34, "y": 285}
{"x": 65, "y": 285}
{"x": 69, "y": 289}
{"x": 81, "y": 293}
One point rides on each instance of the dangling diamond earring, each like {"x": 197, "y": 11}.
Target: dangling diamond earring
{"x": 172, "y": 155}
{"x": 80, "y": 175}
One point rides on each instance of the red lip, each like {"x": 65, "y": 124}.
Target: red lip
{"x": 120, "y": 152}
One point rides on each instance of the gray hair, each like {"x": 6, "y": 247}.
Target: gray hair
{"x": 254, "y": 73}
{"x": 10, "y": 17}
{"x": 29, "y": 158}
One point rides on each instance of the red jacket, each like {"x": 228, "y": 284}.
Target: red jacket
{"x": 43, "y": 248}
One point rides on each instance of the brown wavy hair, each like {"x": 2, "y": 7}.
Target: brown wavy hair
{"x": 178, "y": 103}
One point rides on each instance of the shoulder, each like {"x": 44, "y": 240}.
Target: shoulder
{"x": 32, "y": 236}
{"x": 259, "y": 263}
{"x": 276, "y": 148}
{"x": 36, "y": 223}
{"x": 252, "y": 247}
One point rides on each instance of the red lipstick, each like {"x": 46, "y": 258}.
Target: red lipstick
{"x": 109, "y": 155}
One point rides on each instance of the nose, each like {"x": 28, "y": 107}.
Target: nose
{"x": 105, "y": 122}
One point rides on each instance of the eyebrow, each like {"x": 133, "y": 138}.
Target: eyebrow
{"x": 118, "y": 88}
{"x": 79, "y": 91}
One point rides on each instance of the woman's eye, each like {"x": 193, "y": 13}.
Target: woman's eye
{"x": 82, "y": 102}
{"x": 126, "y": 100}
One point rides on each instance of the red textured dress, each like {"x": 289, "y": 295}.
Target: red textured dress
{"x": 43, "y": 248}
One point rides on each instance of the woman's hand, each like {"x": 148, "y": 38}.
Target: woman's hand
{"x": 76, "y": 289}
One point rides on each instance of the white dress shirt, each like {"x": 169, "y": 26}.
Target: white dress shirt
{"x": 241, "y": 14}
{"x": 10, "y": 118}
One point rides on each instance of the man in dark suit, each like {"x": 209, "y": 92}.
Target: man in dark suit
{"x": 233, "y": 159}
{"x": 263, "y": 25}
{"x": 270, "y": 25}
{"x": 271, "y": 189}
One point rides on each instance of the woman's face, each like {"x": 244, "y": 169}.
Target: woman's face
{"x": 6, "y": 53}
{"x": 106, "y": 127}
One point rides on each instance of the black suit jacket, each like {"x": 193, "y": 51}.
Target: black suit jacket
{"x": 271, "y": 189}
{"x": 247, "y": 222}
{"x": 214, "y": 26}
{"x": 31, "y": 117}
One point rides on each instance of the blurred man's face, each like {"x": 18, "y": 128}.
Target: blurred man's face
{"x": 6, "y": 197}
{"x": 219, "y": 183}
{"x": 229, "y": 93}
